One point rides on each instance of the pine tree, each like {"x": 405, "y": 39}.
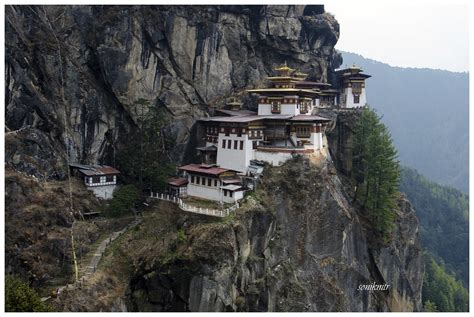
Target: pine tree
{"x": 375, "y": 170}
{"x": 146, "y": 156}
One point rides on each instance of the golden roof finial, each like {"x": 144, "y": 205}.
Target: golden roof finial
{"x": 284, "y": 68}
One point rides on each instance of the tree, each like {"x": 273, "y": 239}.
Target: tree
{"x": 429, "y": 306}
{"x": 20, "y": 297}
{"x": 376, "y": 171}
{"x": 146, "y": 158}
{"x": 124, "y": 199}
{"x": 442, "y": 289}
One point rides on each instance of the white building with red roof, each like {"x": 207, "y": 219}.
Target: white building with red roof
{"x": 212, "y": 183}
{"x": 100, "y": 179}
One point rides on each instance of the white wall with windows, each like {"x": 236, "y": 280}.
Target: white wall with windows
{"x": 234, "y": 152}
{"x": 232, "y": 197}
{"x": 351, "y": 101}
{"x": 100, "y": 180}
{"x": 204, "y": 187}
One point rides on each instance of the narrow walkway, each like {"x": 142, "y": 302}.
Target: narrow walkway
{"x": 94, "y": 262}
{"x": 198, "y": 210}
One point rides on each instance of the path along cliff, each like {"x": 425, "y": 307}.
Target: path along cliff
{"x": 73, "y": 77}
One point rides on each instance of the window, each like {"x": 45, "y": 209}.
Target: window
{"x": 225, "y": 192}
{"x": 215, "y": 182}
{"x": 356, "y": 98}
{"x": 223, "y": 144}
{"x": 231, "y": 193}
{"x": 235, "y": 144}
{"x": 254, "y": 145}
{"x": 276, "y": 107}
{"x": 209, "y": 182}
{"x": 192, "y": 179}
{"x": 229, "y": 144}
{"x": 109, "y": 178}
{"x": 226, "y": 131}
{"x": 356, "y": 88}
{"x": 241, "y": 145}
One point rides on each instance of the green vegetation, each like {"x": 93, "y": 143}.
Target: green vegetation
{"x": 427, "y": 113}
{"x": 123, "y": 201}
{"x": 181, "y": 236}
{"x": 429, "y": 306}
{"x": 376, "y": 171}
{"x": 444, "y": 221}
{"x": 20, "y": 297}
{"x": 145, "y": 159}
{"x": 441, "y": 291}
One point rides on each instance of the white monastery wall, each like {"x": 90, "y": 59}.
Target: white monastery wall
{"x": 350, "y": 98}
{"x": 231, "y": 158}
{"x": 203, "y": 191}
{"x": 264, "y": 109}
{"x": 274, "y": 158}
{"x": 103, "y": 192}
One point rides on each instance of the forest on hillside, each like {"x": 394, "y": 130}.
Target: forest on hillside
{"x": 444, "y": 228}
{"x": 427, "y": 113}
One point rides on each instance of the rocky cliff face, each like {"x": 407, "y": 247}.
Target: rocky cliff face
{"x": 297, "y": 244}
{"x": 74, "y": 73}
{"x": 73, "y": 76}
{"x": 300, "y": 246}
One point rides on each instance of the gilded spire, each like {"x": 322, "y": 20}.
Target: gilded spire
{"x": 284, "y": 68}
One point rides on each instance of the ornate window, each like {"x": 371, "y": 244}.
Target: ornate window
{"x": 276, "y": 108}
{"x": 356, "y": 88}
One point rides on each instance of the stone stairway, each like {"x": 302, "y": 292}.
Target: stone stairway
{"x": 97, "y": 256}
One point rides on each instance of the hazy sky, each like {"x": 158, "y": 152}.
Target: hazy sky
{"x": 407, "y": 35}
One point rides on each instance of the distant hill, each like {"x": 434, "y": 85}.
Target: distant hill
{"x": 427, "y": 112}
{"x": 444, "y": 221}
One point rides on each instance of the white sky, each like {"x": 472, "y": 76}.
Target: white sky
{"x": 403, "y": 34}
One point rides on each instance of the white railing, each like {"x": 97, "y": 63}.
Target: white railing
{"x": 198, "y": 210}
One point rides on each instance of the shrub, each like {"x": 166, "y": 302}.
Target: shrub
{"x": 124, "y": 199}
{"x": 20, "y": 297}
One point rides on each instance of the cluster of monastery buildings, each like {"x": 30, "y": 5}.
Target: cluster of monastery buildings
{"x": 236, "y": 142}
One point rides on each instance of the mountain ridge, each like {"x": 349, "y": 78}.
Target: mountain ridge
{"x": 427, "y": 112}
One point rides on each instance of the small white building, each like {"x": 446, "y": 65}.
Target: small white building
{"x": 352, "y": 87}
{"x": 212, "y": 183}
{"x": 100, "y": 179}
